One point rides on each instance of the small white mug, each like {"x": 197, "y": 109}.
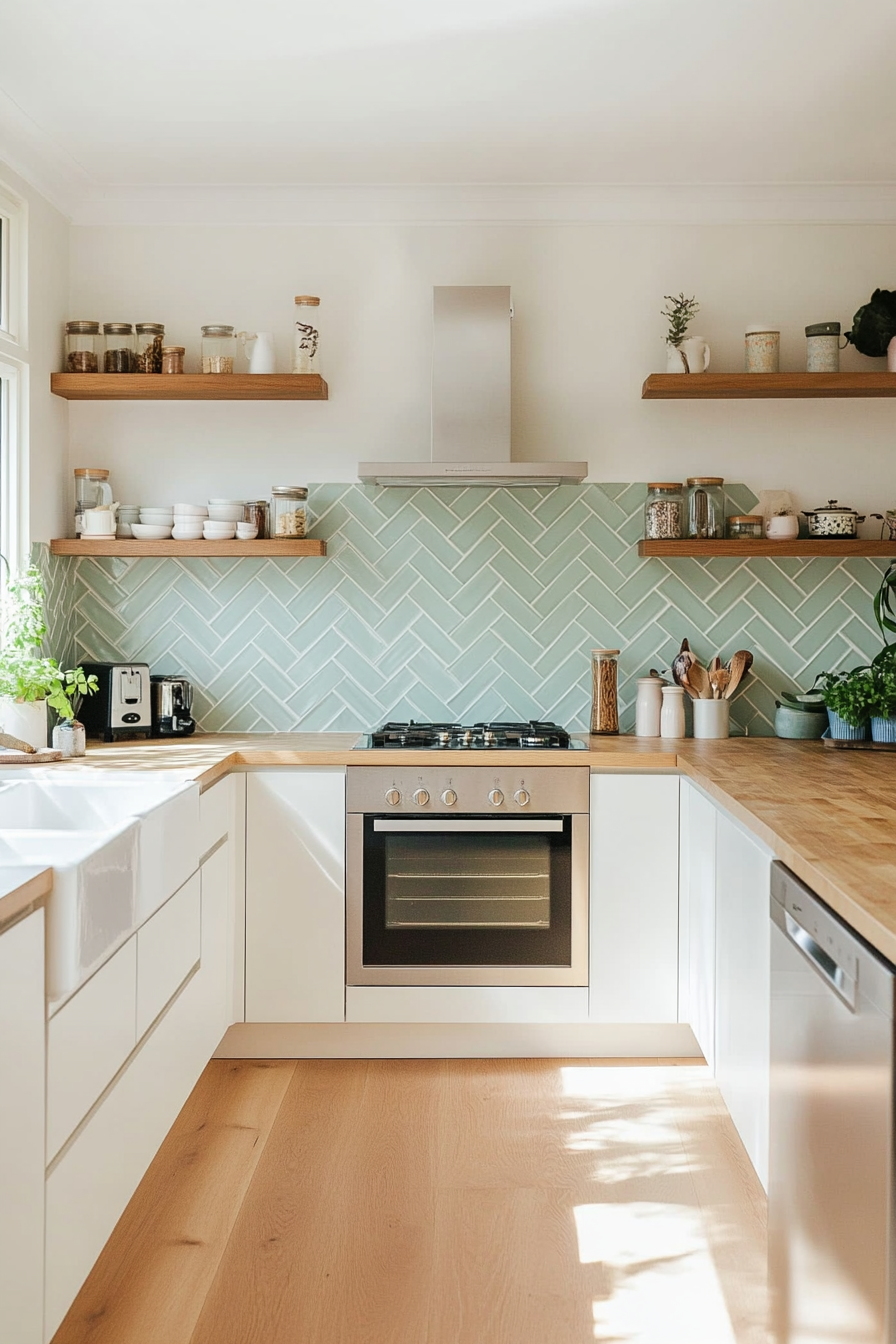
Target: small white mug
{"x": 98, "y": 523}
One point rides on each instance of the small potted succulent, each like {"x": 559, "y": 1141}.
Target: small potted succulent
{"x": 850, "y": 699}
{"x": 29, "y": 682}
{"x": 783, "y": 525}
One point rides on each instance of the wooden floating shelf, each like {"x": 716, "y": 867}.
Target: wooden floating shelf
{"x": 715, "y": 386}
{"x": 189, "y": 386}
{"x": 804, "y": 546}
{"x": 245, "y": 550}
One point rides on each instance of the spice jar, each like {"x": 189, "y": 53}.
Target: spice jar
{"x": 307, "y": 336}
{"x": 745, "y": 527}
{"x": 82, "y": 347}
{"x": 289, "y": 512}
{"x": 761, "y": 349}
{"x": 173, "y": 358}
{"x": 150, "y": 336}
{"x": 706, "y": 506}
{"x": 257, "y": 513}
{"x": 662, "y": 512}
{"x": 823, "y": 348}
{"x": 218, "y": 349}
{"x": 604, "y": 708}
{"x": 119, "y": 354}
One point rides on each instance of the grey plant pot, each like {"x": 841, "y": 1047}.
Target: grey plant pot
{"x": 803, "y": 725}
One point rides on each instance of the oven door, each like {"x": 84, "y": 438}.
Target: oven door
{"x": 467, "y": 900}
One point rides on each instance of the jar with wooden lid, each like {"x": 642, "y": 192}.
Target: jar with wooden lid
{"x": 604, "y": 705}
{"x": 173, "y": 358}
{"x": 663, "y": 511}
{"x": 307, "y": 341}
{"x": 289, "y": 511}
{"x": 218, "y": 349}
{"x": 706, "y": 506}
{"x": 92, "y": 489}
{"x": 82, "y": 347}
{"x": 149, "y": 338}
{"x": 745, "y": 527}
{"x": 119, "y": 355}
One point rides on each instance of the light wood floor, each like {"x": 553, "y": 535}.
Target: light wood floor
{"x": 438, "y": 1202}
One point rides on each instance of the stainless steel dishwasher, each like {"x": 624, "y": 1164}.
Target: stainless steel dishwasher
{"x": 831, "y": 1208}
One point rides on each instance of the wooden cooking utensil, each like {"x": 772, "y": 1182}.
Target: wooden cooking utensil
{"x": 739, "y": 665}
{"x": 698, "y": 677}
{"x": 720, "y": 677}
{"x": 715, "y": 665}
{"x": 686, "y": 685}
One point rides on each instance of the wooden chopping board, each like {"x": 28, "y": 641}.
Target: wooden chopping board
{"x": 42, "y": 757}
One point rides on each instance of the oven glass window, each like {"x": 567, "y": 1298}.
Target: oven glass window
{"x": 487, "y": 882}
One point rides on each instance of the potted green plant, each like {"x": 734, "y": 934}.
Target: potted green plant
{"x": 883, "y": 714}
{"x": 849, "y": 698}
{"x": 683, "y": 354}
{"x": 29, "y": 682}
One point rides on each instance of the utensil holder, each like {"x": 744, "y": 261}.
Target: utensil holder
{"x": 711, "y": 718}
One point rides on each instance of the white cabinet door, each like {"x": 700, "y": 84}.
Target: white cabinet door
{"x": 218, "y": 896}
{"x": 295, "y": 896}
{"x": 22, "y": 1020}
{"x": 697, "y": 962}
{"x": 742, "y": 985}
{"x": 634, "y": 898}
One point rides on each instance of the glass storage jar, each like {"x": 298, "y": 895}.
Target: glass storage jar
{"x": 305, "y": 359}
{"x": 745, "y": 527}
{"x": 218, "y": 349}
{"x": 173, "y": 358}
{"x": 604, "y": 706}
{"x": 257, "y": 512}
{"x": 706, "y": 506}
{"x": 663, "y": 510}
{"x": 119, "y": 354}
{"x": 150, "y": 336}
{"x": 82, "y": 347}
{"x": 289, "y": 511}
{"x": 91, "y": 488}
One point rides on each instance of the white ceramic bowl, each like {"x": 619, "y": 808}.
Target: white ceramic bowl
{"x": 190, "y": 510}
{"x": 146, "y": 532}
{"x": 124, "y": 529}
{"x": 184, "y": 533}
{"x": 225, "y": 501}
{"x": 226, "y": 513}
{"x": 156, "y": 516}
{"x": 129, "y": 510}
{"x": 225, "y": 534}
{"x": 245, "y": 532}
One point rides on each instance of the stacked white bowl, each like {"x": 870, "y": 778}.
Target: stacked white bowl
{"x": 188, "y": 521}
{"x": 156, "y": 522}
{"x": 223, "y": 517}
{"x": 127, "y": 515}
{"x": 246, "y": 531}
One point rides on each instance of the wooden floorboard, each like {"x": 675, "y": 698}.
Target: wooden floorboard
{"x": 150, "y": 1282}
{"x": 447, "y": 1202}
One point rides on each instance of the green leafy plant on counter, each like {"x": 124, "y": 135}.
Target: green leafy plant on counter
{"x": 885, "y": 602}
{"x": 24, "y": 673}
{"x": 883, "y": 676}
{"x": 679, "y": 315}
{"x": 851, "y": 694}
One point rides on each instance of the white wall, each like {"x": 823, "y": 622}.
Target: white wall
{"x": 47, "y": 289}
{"x": 587, "y": 330}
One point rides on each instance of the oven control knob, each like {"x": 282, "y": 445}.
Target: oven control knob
{"x": 522, "y": 797}
{"x": 496, "y": 797}
{"x": 421, "y": 797}
{"x": 393, "y": 797}
{"x": 449, "y": 797}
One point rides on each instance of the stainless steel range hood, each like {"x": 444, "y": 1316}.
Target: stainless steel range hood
{"x": 471, "y": 401}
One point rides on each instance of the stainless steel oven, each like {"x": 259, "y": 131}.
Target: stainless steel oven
{"x": 467, "y": 876}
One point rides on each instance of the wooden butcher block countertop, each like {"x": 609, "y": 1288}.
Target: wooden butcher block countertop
{"x": 830, "y": 816}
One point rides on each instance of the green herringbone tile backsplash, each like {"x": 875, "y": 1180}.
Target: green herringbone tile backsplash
{"x": 463, "y": 604}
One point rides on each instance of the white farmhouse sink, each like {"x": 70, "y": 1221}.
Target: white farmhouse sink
{"x": 167, "y": 808}
{"x": 91, "y": 908}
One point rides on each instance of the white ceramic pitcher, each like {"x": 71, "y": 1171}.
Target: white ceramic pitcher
{"x": 261, "y": 353}
{"x": 689, "y": 356}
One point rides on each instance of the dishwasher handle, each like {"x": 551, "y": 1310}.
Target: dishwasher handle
{"x": 835, "y": 975}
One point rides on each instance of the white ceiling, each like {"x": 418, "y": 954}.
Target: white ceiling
{"x": 101, "y": 93}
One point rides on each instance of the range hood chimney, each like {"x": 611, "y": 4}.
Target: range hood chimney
{"x": 471, "y": 401}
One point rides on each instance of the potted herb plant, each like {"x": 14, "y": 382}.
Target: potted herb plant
{"x": 850, "y": 700}
{"x": 29, "y": 682}
{"x": 685, "y": 354}
{"x": 883, "y": 715}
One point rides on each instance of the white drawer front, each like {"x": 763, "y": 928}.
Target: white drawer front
{"x": 215, "y": 814}
{"x": 88, "y": 1040}
{"x": 168, "y": 948}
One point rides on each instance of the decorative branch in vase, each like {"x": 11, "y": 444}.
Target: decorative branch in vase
{"x": 684, "y": 354}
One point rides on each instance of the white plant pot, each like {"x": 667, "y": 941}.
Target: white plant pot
{"x": 782, "y": 527}
{"x": 25, "y": 719}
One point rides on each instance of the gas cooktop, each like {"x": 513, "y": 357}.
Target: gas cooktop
{"x": 477, "y": 737}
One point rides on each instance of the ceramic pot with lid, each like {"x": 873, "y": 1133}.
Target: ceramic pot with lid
{"x": 833, "y": 520}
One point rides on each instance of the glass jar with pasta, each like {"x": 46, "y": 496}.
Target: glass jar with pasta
{"x": 604, "y": 706}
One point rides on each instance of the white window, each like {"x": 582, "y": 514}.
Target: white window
{"x": 13, "y": 270}
{"x": 14, "y": 540}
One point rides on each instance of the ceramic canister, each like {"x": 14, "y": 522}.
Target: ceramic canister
{"x": 761, "y": 349}
{"x": 648, "y": 707}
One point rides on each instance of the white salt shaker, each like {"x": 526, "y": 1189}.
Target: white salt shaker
{"x": 672, "y": 713}
{"x": 648, "y": 705}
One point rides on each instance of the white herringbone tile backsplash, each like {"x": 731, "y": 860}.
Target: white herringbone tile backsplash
{"x": 461, "y": 604}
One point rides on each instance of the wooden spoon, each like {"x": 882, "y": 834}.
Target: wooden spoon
{"x": 739, "y": 665}
{"x": 719, "y": 676}
{"x": 715, "y": 665}
{"x": 686, "y": 685}
{"x": 698, "y": 677}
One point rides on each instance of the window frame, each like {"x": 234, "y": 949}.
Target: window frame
{"x": 13, "y": 268}
{"x": 14, "y": 513}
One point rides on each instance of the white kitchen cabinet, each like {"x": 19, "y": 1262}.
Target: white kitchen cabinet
{"x": 295, "y": 896}
{"x": 697, "y": 934}
{"x": 222, "y": 824}
{"x": 22, "y": 1023}
{"x": 742, "y": 985}
{"x": 168, "y": 950}
{"x": 634, "y": 898}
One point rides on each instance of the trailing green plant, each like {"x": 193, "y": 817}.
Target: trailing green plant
{"x": 885, "y": 602}
{"x": 25, "y": 674}
{"x": 850, "y": 694}
{"x": 679, "y": 315}
{"x": 883, "y": 677}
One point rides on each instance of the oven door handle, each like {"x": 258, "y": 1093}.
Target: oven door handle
{"x": 488, "y": 825}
